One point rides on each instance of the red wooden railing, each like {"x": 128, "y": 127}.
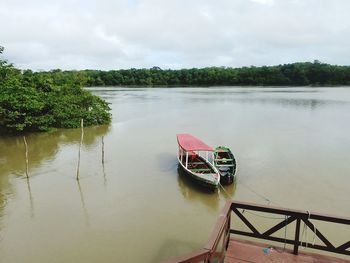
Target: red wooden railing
{"x": 216, "y": 247}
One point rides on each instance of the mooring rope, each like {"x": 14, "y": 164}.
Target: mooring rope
{"x": 267, "y": 217}
{"x": 304, "y": 233}
{"x": 268, "y": 200}
{"x": 285, "y": 233}
{"x": 305, "y": 228}
{"x": 222, "y": 187}
{"x": 313, "y": 240}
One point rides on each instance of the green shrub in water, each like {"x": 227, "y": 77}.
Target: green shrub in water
{"x": 33, "y": 102}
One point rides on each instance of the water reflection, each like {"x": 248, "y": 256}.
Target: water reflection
{"x": 104, "y": 175}
{"x": 42, "y": 147}
{"x": 30, "y": 198}
{"x": 229, "y": 191}
{"x": 297, "y": 102}
{"x": 6, "y": 191}
{"x": 83, "y": 205}
{"x": 283, "y": 102}
{"x": 193, "y": 191}
{"x": 170, "y": 247}
{"x": 167, "y": 162}
{"x": 225, "y": 91}
{"x": 3, "y": 200}
{"x": 294, "y": 97}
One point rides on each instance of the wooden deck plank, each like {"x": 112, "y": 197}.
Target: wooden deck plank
{"x": 240, "y": 251}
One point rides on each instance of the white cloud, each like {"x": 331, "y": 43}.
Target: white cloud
{"x": 106, "y": 34}
{"x": 265, "y": 2}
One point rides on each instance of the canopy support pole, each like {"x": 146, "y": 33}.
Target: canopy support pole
{"x": 186, "y": 159}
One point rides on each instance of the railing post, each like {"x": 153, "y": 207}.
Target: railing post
{"x": 228, "y": 228}
{"x": 296, "y": 240}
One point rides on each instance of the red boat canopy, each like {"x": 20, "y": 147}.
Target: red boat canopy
{"x": 190, "y": 143}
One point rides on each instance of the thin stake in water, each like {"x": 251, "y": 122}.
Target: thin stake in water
{"x": 103, "y": 150}
{"x": 81, "y": 142}
{"x": 26, "y": 155}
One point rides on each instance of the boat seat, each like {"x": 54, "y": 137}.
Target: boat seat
{"x": 196, "y": 163}
{"x": 224, "y": 160}
{"x": 200, "y": 170}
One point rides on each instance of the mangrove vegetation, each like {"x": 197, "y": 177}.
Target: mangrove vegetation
{"x": 40, "y": 102}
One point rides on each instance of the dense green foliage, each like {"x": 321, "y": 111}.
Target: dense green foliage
{"x": 297, "y": 74}
{"x": 39, "y": 102}
{"x": 44, "y": 100}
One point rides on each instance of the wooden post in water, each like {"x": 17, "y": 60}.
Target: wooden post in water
{"x": 81, "y": 142}
{"x": 26, "y": 154}
{"x": 103, "y": 150}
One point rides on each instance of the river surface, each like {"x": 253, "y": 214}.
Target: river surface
{"x": 292, "y": 146}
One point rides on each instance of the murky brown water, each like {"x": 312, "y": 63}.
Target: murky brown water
{"x": 292, "y": 147}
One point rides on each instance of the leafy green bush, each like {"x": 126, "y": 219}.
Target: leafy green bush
{"x": 31, "y": 103}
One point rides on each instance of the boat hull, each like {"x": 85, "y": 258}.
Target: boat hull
{"x": 196, "y": 160}
{"x": 210, "y": 185}
{"x": 226, "y": 179}
{"x": 227, "y": 169}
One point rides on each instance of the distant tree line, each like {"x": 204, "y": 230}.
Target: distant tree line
{"x": 42, "y": 101}
{"x": 296, "y": 74}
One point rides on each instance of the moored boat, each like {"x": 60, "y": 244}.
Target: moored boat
{"x": 225, "y": 163}
{"x": 197, "y": 160}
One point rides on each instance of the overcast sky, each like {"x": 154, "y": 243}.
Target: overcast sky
{"x": 114, "y": 34}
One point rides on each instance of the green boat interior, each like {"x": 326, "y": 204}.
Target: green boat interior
{"x": 197, "y": 164}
